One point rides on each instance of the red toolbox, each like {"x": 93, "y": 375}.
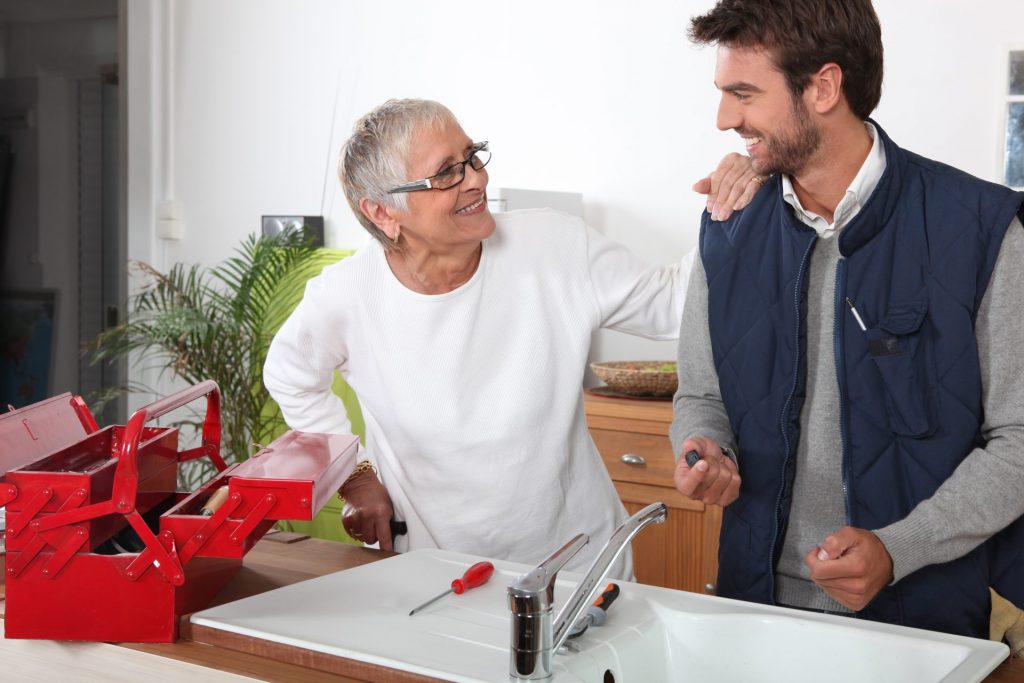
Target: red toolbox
{"x": 100, "y": 543}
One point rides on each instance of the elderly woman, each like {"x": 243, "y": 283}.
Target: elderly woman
{"x": 465, "y": 336}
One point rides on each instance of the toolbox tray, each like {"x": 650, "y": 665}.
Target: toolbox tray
{"x": 100, "y": 543}
{"x": 84, "y": 472}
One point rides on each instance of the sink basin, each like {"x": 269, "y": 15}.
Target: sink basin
{"x": 652, "y": 634}
{"x": 713, "y": 639}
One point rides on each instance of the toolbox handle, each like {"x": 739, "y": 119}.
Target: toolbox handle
{"x": 126, "y": 476}
{"x": 84, "y": 414}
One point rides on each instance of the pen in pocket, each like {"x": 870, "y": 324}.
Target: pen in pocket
{"x": 856, "y": 315}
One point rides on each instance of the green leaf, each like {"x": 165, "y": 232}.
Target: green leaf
{"x": 216, "y": 323}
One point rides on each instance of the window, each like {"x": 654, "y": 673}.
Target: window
{"x": 1013, "y": 170}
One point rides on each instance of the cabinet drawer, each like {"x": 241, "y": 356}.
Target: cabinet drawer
{"x": 656, "y": 467}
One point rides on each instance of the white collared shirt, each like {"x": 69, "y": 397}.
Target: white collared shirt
{"x": 856, "y": 194}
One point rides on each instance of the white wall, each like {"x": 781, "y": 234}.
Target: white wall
{"x": 605, "y": 99}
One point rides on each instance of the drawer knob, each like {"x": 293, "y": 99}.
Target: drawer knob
{"x": 633, "y": 459}
{"x": 709, "y": 588}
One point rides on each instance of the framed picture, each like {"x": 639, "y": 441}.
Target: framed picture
{"x": 1013, "y": 158}
{"x": 27, "y": 338}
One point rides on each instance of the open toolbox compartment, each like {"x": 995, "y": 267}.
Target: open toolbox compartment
{"x": 100, "y": 543}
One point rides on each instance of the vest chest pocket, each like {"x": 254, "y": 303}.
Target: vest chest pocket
{"x": 902, "y": 352}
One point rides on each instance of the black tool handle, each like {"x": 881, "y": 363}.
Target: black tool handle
{"x": 607, "y": 596}
{"x": 597, "y": 612}
{"x": 692, "y": 458}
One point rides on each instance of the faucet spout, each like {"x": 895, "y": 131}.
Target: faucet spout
{"x": 592, "y": 582}
{"x": 535, "y": 636}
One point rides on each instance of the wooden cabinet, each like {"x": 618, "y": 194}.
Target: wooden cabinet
{"x": 632, "y": 437}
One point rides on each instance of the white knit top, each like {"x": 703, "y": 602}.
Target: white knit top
{"x": 472, "y": 399}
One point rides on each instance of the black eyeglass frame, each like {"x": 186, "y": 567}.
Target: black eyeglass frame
{"x": 426, "y": 184}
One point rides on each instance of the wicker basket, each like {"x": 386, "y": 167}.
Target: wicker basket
{"x": 638, "y": 378}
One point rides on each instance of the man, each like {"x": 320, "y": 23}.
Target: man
{"x": 849, "y": 353}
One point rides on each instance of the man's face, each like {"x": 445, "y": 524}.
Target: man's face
{"x": 757, "y": 103}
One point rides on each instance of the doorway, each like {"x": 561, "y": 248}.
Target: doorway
{"x": 62, "y": 241}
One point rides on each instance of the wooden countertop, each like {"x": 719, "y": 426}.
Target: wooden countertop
{"x": 279, "y": 559}
{"x": 275, "y": 562}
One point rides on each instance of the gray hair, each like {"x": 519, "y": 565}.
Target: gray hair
{"x": 374, "y": 158}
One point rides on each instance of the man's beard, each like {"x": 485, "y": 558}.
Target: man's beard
{"x": 788, "y": 152}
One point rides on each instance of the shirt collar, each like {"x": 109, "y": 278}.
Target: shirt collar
{"x": 864, "y": 183}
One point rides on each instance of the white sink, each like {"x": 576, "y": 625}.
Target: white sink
{"x": 652, "y": 634}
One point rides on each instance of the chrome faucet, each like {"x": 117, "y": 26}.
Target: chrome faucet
{"x": 536, "y": 636}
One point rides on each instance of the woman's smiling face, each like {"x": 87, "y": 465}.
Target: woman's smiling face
{"x": 444, "y": 220}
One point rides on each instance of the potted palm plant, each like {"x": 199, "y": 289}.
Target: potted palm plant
{"x": 197, "y": 323}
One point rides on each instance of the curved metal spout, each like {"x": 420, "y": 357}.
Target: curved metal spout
{"x": 535, "y": 637}
{"x": 586, "y": 591}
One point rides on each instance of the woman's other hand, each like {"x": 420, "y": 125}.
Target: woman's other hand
{"x": 368, "y": 510}
{"x": 730, "y": 187}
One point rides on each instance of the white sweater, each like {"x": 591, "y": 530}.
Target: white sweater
{"x": 472, "y": 401}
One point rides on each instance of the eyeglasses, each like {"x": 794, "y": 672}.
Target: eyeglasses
{"x": 450, "y": 176}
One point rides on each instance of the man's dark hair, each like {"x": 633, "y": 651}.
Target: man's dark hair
{"x": 803, "y": 36}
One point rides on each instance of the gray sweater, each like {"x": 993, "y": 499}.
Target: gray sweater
{"x": 984, "y": 494}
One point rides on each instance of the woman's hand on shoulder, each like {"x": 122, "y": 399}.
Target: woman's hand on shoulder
{"x": 730, "y": 187}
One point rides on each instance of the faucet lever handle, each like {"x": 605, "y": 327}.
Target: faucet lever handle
{"x": 541, "y": 578}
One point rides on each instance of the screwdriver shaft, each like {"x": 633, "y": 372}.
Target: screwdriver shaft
{"x": 476, "y": 575}
{"x": 431, "y": 601}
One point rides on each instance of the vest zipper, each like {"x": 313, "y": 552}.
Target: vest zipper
{"x": 797, "y": 290}
{"x": 837, "y": 340}
{"x": 837, "y": 350}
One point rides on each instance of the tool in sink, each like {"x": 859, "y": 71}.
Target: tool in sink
{"x": 476, "y": 575}
{"x": 596, "y": 613}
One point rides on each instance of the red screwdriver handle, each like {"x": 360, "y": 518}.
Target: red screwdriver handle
{"x": 476, "y": 575}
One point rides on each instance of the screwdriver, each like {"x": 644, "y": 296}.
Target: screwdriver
{"x": 596, "y": 613}
{"x": 476, "y": 575}
{"x": 692, "y": 458}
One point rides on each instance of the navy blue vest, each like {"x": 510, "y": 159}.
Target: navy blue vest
{"x": 916, "y": 262}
